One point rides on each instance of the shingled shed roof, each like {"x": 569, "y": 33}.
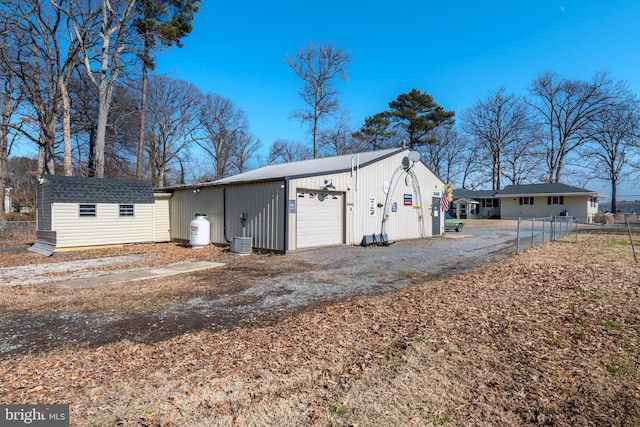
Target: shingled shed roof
{"x": 77, "y": 189}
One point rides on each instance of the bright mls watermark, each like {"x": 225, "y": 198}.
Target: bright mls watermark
{"x": 34, "y": 415}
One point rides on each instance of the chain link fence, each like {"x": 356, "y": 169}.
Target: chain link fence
{"x": 17, "y": 233}
{"x": 536, "y": 231}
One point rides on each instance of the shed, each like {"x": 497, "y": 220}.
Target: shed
{"x": 81, "y": 211}
{"x": 389, "y": 194}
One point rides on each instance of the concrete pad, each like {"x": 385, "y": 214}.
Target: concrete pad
{"x": 131, "y": 276}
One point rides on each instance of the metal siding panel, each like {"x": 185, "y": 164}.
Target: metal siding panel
{"x": 264, "y": 205}
{"x": 185, "y": 203}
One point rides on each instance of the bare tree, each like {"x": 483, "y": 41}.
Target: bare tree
{"x": 318, "y": 66}
{"x": 339, "y": 139}
{"x": 502, "y": 127}
{"x": 9, "y": 103}
{"x": 224, "y": 135}
{"x": 244, "y": 149}
{"x": 565, "y": 110}
{"x": 173, "y": 108}
{"x": 283, "y": 151}
{"x": 614, "y": 135}
{"x": 102, "y": 53}
{"x": 471, "y": 164}
{"x": 444, "y": 157}
{"x": 30, "y": 50}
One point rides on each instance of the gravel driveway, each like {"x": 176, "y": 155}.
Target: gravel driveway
{"x": 248, "y": 297}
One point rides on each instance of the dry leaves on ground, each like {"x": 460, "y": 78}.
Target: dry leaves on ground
{"x": 548, "y": 337}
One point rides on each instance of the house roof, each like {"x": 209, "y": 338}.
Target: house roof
{"x": 474, "y": 194}
{"x": 325, "y": 165}
{"x": 77, "y": 189}
{"x": 547, "y": 189}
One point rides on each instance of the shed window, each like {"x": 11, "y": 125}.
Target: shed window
{"x": 126, "y": 210}
{"x": 87, "y": 211}
{"x": 526, "y": 200}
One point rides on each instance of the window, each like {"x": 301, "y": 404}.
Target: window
{"x": 126, "y": 210}
{"x": 87, "y": 211}
{"x": 593, "y": 202}
{"x": 490, "y": 203}
{"x": 555, "y": 200}
{"x": 526, "y": 200}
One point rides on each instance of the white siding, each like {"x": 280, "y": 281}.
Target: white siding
{"x": 161, "y": 218}
{"x": 576, "y": 206}
{"x": 364, "y": 183}
{"x": 106, "y": 228}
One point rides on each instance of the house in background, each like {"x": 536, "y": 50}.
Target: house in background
{"x": 541, "y": 200}
{"x": 528, "y": 201}
{"x": 321, "y": 202}
{"x": 475, "y": 204}
{"x": 78, "y": 212}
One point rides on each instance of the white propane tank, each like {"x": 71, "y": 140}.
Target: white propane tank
{"x": 199, "y": 226}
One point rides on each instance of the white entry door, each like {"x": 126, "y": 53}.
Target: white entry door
{"x": 320, "y": 219}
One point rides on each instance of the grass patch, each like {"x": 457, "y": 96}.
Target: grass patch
{"x": 338, "y": 410}
{"x": 609, "y": 324}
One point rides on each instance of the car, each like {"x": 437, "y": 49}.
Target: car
{"x": 451, "y": 223}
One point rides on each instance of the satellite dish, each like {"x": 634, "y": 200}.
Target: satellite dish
{"x": 414, "y": 156}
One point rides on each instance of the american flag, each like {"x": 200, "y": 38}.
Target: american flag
{"x": 444, "y": 203}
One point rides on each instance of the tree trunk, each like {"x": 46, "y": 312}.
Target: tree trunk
{"x": 101, "y": 127}
{"x": 614, "y": 190}
{"x": 66, "y": 127}
{"x": 4, "y": 150}
{"x": 46, "y": 155}
{"x": 143, "y": 118}
{"x": 91, "y": 161}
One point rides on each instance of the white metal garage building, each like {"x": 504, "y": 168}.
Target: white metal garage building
{"x": 328, "y": 201}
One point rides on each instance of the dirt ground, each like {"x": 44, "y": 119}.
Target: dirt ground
{"x": 547, "y": 337}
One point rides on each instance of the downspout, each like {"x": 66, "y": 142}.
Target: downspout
{"x": 224, "y": 215}
{"x": 286, "y": 215}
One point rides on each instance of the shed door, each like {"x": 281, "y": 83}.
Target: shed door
{"x": 319, "y": 219}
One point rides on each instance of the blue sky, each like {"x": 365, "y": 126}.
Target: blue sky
{"x": 456, "y": 51}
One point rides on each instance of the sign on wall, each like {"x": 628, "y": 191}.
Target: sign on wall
{"x": 372, "y": 206}
{"x": 408, "y": 199}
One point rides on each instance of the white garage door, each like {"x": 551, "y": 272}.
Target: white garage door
{"x": 319, "y": 219}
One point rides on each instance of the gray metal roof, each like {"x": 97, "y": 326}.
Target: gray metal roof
{"x": 313, "y": 167}
{"x": 551, "y": 189}
{"x": 77, "y": 189}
